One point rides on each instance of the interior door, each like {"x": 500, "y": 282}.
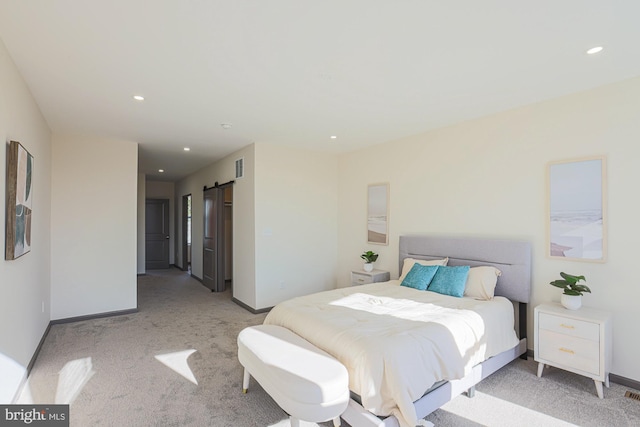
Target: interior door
{"x": 156, "y": 234}
{"x": 213, "y": 240}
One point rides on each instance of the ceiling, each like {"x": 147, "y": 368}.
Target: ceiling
{"x": 295, "y": 72}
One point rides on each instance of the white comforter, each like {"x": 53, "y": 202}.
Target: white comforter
{"x": 396, "y": 342}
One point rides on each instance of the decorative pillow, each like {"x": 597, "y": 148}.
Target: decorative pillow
{"x": 481, "y": 282}
{"x": 408, "y": 264}
{"x": 419, "y": 276}
{"x": 450, "y": 280}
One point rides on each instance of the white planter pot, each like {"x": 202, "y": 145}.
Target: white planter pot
{"x": 368, "y": 266}
{"x": 571, "y": 302}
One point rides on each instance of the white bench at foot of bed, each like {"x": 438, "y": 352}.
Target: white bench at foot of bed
{"x": 304, "y": 381}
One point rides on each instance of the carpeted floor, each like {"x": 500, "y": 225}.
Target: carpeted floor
{"x": 174, "y": 364}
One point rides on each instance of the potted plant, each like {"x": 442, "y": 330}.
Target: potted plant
{"x": 369, "y": 257}
{"x": 572, "y": 290}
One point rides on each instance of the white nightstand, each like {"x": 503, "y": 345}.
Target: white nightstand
{"x": 578, "y": 341}
{"x": 361, "y": 277}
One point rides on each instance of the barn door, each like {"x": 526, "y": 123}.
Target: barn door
{"x": 213, "y": 239}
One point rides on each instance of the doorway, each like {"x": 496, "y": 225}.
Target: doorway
{"x": 156, "y": 234}
{"x": 217, "y": 263}
{"x": 186, "y": 232}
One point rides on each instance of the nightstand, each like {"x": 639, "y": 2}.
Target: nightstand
{"x": 578, "y": 341}
{"x": 361, "y": 277}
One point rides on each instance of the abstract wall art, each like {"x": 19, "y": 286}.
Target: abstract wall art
{"x": 19, "y": 201}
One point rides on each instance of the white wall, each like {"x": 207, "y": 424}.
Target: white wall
{"x": 141, "y": 244}
{"x": 243, "y": 219}
{"x": 488, "y": 178}
{"x": 284, "y": 222}
{"x": 24, "y": 282}
{"x": 93, "y": 223}
{"x": 296, "y": 223}
{"x": 166, "y": 190}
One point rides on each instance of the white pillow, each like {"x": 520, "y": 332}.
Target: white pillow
{"x": 408, "y": 263}
{"x": 481, "y": 282}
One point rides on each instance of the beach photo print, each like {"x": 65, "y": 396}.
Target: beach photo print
{"x": 378, "y": 214}
{"x": 577, "y": 210}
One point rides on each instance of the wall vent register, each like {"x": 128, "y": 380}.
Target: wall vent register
{"x": 240, "y": 168}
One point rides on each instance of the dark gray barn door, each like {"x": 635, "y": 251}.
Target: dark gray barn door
{"x": 156, "y": 234}
{"x": 213, "y": 240}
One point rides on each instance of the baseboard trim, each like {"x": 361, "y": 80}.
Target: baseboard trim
{"x": 250, "y": 309}
{"x": 94, "y": 316}
{"x": 32, "y": 362}
{"x": 38, "y": 348}
{"x": 200, "y": 280}
{"x": 627, "y": 382}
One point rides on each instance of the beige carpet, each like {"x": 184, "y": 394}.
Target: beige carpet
{"x": 516, "y": 397}
{"x": 174, "y": 364}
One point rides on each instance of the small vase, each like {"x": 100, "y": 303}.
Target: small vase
{"x": 368, "y": 267}
{"x": 571, "y": 302}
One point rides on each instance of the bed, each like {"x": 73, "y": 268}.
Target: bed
{"x": 410, "y": 351}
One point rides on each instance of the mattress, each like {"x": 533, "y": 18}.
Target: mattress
{"x": 396, "y": 342}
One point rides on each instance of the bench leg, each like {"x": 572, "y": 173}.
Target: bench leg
{"x": 336, "y": 422}
{"x": 294, "y": 422}
{"x": 245, "y": 380}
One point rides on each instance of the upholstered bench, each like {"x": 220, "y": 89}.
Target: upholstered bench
{"x": 304, "y": 381}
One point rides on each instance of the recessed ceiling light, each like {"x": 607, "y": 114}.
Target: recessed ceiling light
{"x": 226, "y": 125}
{"x": 593, "y": 50}
{"x": 333, "y": 137}
{"x": 138, "y": 97}
{"x": 187, "y": 149}
{"x": 160, "y": 170}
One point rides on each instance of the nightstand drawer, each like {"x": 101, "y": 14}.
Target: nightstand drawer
{"x": 361, "y": 279}
{"x": 366, "y": 277}
{"x": 576, "y": 340}
{"x": 571, "y": 327}
{"x": 578, "y": 353}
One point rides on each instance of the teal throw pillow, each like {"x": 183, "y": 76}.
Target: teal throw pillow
{"x": 420, "y": 276}
{"x": 450, "y": 280}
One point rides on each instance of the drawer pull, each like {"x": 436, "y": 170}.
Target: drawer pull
{"x": 566, "y": 350}
{"x": 567, "y": 326}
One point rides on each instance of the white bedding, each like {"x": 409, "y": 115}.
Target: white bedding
{"x": 396, "y": 342}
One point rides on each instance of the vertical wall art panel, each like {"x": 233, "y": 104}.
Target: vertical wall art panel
{"x": 378, "y": 214}
{"x": 577, "y": 210}
{"x": 19, "y": 201}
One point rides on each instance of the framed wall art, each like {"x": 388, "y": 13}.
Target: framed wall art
{"x": 378, "y": 214}
{"x": 577, "y": 210}
{"x": 19, "y": 201}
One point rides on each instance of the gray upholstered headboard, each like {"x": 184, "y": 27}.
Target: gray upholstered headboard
{"x": 511, "y": 257}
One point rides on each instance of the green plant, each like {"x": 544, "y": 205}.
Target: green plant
{"x": 570, "y": 284}
{"x": 369, "y": 256}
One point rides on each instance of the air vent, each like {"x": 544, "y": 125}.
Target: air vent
{"x": 632, "y": 395}
{"x": 240, "y": 168}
